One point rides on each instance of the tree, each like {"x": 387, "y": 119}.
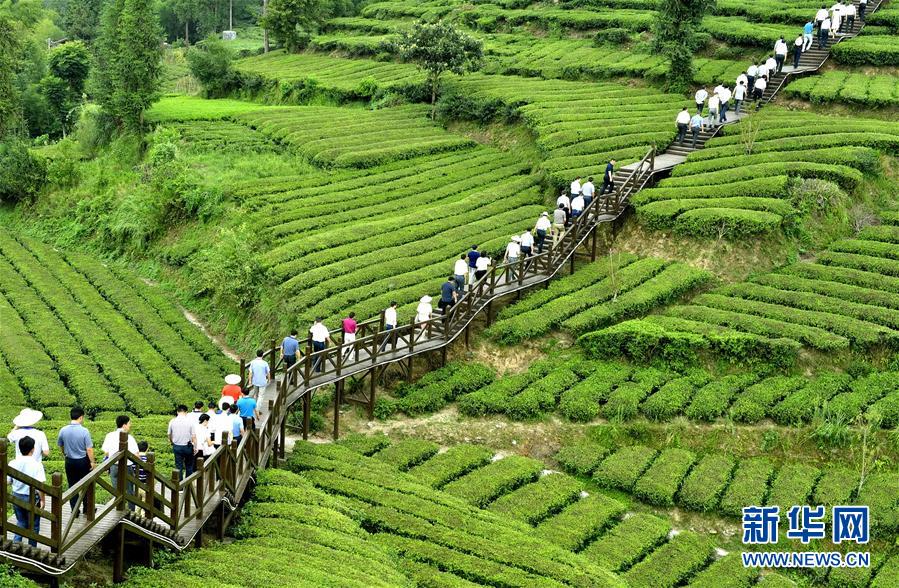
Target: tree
{"x": 63, "y": 85}
{"x": 291, "y": 22}
{"x": 129, "y": 52}
{"x": 82, "y": 18}
{"x": 10, "y": 106}
{"x": 675, "y": 28}
{"x": 211, "y": 63}
{"x": 438, "y": 48}
{"x": 22, "y": 175}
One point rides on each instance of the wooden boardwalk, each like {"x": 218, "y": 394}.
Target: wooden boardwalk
{"x": 173, "y": 512}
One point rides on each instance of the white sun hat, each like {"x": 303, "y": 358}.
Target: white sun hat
{"x": 232, "y": 379}
{"x": 27, "y": 417}
{"x": 516, "y": 238}
{"x": 425, "y": 299}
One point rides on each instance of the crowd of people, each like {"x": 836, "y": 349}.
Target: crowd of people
{"x": 751, "y": 84}
{"x": 193, "y": 434}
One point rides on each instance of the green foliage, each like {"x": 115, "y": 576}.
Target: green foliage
{"x": 290, "y": 22}
{"x": 748, "y": 487}
{"x": 581, "y": 521}
{"x": 628, "y": 542}
{"x": 128, "y": 61}
{"x": 482, "y": 486}
{"x": 22, "y": 174}
{"x": 793, "y": 485}
{"x": 582, "y": 459}
{"x": 82, "y": 18}
{"x": 622, "y": 469}
{"x": 211, "y": 62}
{"x": 672, "y": 563}
{"x": 663, "y": 478}
{"x": 702, "y": 489}
{"x": 407, "y": 453}
{"x": 365, "y": 444}
{"x": 430, "y": 396}
{"x": 712, "y": 400}
{"x": 10, "y": 107}
{"x": 727, "y": 572}
{"x": 538, "y": 501}
{"x": 228, "y": 270}
{"x": 674, "y": 36}
{"x": 440, "y": 48}
{"x": 867, "y": 50}
{"x": 754, "y": 403}
{"x": 455, "y": 462}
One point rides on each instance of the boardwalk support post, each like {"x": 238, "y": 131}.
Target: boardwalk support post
{"x": 118, "y": 566}
{"x": 373, "y": 384}
{"x": 307, "y": 409}
{"x": 338, "y": 390}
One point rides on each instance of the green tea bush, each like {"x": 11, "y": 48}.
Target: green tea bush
{"x": 726, "y": 572}
{"x": 799, "y": 406}
{"x": 581, "y": 521}
{"x": 482, "y": 486}
{"x": 435, "y": 394}
{"x": 672, "y": 563}
{"x": 711, "y": 401}
{"x": 663, "y": 478}
{"x": 535, "y": 502}
{"x": 879, "y": 493}
{"x": 583, "y": 458}
{"x": 793, "y": 485}
{"x": 754, "y": 403}
{"x": 540, "y": 396}
{"x": 622, "y": 469}
{"x": 748, "y": 487}
{"x": 628, "y": 542}
{"x": 867, "y": 50}
{"x": 455, "y": 462}
{"x": 836, "y": 486}
{"x": 672, "y": 398}
{"x": 365, "y": 444}
{"x": 580, "y": 403}
{"x": 888, "y": 575}
{"x": 702, "y": 489}
{"x": 407, "y": 453}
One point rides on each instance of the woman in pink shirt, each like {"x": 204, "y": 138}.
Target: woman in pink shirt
{"x": 349, "y": 334}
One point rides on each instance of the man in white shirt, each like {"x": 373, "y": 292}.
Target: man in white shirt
{"x": 700, "y": 97}
{"x": 576, "y": 186}
{"x": 780, "y": 54}
{"x": 752, "y": 72}
{"x": 542, "y": 229}
{"x": 320, "y": 337}
{"x": 587, "y": 191}
{"x": 111, "y": 445}
{"x": 23, "y": 425}
{"x": 742, "y": 78}
{"x": 683, "y": 122}
{"x": 483, "y": 263}
{"x": 824, "y": 33}
{"x": 724, "y": 96}
{"x": 513, "y": 252}
{"x": 260, "y": 375}
{"x": 423, "y": 313}
{"x": 771, "y": 66}
{"x": 221, "y": 422}
{"x": 577, "y": 206}
{"x": 564, "y": 201}
{"x": 797, "y": 51}
{"x": 820, "y": 16}
{"x": 739, "y": 95}
{"x": 28, "y": 465}
{"x": 460, "y": 270}
{"x": 763, "y": 70}
{"x": 714, "y": 102}
{"x": 758, "y": 91}
{"x": 849, "y": 12}
{"x": 717, "y": 90}
{"x": 389, "y": 324}
{"x": 527, "y": 242}
{"x": 862, "y": 7}
{"x": 201, "y": 439}
{"x": 836, "y": 17}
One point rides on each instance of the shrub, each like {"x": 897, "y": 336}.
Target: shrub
{"x": 407, "y": 453}
{"x": 711, "y": 401}
{"x": 540, "y": 396}
{"x": 867, "y": 49}
{"x": 836, "y": 486}
{"x": 755, "y": 402}
{"x": 793, "y": 485}
{"x": 434, "y": 395}
{"x": 726, "y": 572}
{"x": 799, "y": 406}
{"x": 663, "y": 478}
{"x": 728, "y": 222}
{"x": 455, "y": 462}
{"x": 671, "y": 563}
{"x": 748, "y": 486}
{"x": 622, "y": 469}
{"x": 22, "y": 175}
{"x": 365, "y": 444}
{"x": 582, "y": 458}
{"x": 613, "y": 36}
{"x": 879, "y": 493}
{"x": 888, "y": 575}
{"x": 211, "y": 62}
{"x": 535, "y": 502}
{"x": 628, "y": 542}
{"x": 580, "y": 403}
{"x": 672, "y": 398}
{"x": 581, "y": 521}
{"x": 482, "y": 486}
{"x": 702, "y": 489}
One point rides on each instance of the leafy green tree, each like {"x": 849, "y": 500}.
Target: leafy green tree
{"x": 82, "y": 18}
{"x": 22, "y": 175}
{"x": 290, "y": 22}
{"x": 63, "y": 85}
{"x": 10, "y": 106}
{"x": 675, "y": 36}
{"x": 439, "y": 48}
{"x": 129, "y": 52}
{"x": 211, "y": 63}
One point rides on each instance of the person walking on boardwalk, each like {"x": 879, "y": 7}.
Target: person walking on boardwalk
{"x": 111, "y": 445}
{"x": 849, "y": 13}
{"x": 608, "y": 178}
{"x": 260, "y": 374}
{"x": 836, "y": 17}
{"x": 565, "y": 202}
{"x": 587, "y": 191}
{"x": 349, "y": 327}
{"x": 862, "y": 7}
{"x": 824, "y": 33}
{"x": 423, "y": 313}
{"x": 700, "y": 97}
{"x": 448, "y": 295}
{"x": 576, "y": 187}
{"x": 237, "y": 426}
{"x": 742, "y": 78}
{"x": 460, "y": 270}
{"x": 577, "y": 209}
{"x": 289, "y": 348}
{"x": 231, "y": 389}
{"x": 714, "y": 103}
{"x": 752, "y": 72}
{"x": 390, "y": 322}
{"x": 696, "y": 127}
{"x": 739, "y": 96}
{"x": 78, "y": 447}
{"x": 24, "y": 426}
{"x": 797, "y": 51}
{"x": 472, "y": 261}
{"x": 248, "y": 408}
{"x": 542, "y": 228}
{"x": 202, "y": 439}
{"x": 26, "y": 463}
{"x": 513, "y": 252}
{"x": 221, "y": 422}
{"x": 320, "y": 337}
{"x": 770, "y": 68}
{"x": 758, "y": 91}
{"x": 780, "y": 54}
{"x": 527, "y": 237}
{"x": 807, "y": 36}
{"x": 819, "y": 18}
{"x": 683, "y": 122}
{"x": 724, "y": 96}
{"x": 181, "y": 431}
{"x": 483, "y": 265}
{"x": 559, "y": 218}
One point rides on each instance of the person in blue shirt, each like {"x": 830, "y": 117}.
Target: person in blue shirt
{"x": 248, "y": 411}
{"x": 237, "y": 427}
{"x": 448, "y": 295}
{"x": 473, "y": 256}
{"x": 696, "y": 127}
{"x": 289, "y": 347}
{"x": 608, "y": 185}
{"x": 807, "y": 36}
{"x": 78, "y": 447}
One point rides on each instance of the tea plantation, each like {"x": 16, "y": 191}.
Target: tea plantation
{"x": 726, "y": 336}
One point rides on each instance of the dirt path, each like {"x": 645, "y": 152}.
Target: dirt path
{"x": 215, "y": 339}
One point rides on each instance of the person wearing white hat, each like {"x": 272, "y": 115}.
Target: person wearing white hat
{"x": 513, "y": 252}
{"x": 423, "y": 313}
{"x": 231, "y": 389}
{"x": 542, "y": 229}
{"x": 23, "y": 426}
